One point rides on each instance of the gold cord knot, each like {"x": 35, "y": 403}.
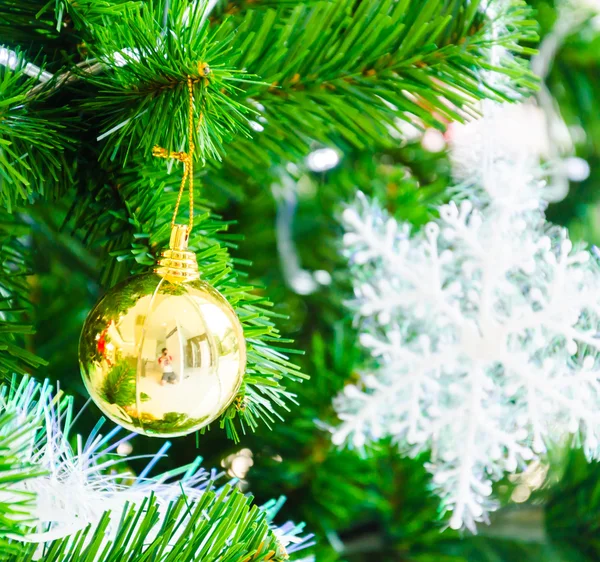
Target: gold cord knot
{"x": 186, "y": 157}
{"x": 161, "y": 152}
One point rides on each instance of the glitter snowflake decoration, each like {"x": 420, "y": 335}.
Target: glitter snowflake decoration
{"x": 482, "y": 335}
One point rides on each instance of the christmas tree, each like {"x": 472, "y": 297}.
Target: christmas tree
{"x": 391, "y": 350}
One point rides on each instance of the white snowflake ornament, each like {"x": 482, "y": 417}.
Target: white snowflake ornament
{"x": 482, "y": 336}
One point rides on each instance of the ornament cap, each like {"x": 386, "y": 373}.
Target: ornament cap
{"x": 180, "y": 234}
{"x": 178, "y": 264}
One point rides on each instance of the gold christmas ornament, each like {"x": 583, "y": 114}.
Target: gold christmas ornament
{"x": 163, "y": 353}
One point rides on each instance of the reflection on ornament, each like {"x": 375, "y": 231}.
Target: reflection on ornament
{"x": 163, "y": 353}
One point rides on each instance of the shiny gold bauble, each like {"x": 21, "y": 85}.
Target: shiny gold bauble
{"x": 163, "y": 354}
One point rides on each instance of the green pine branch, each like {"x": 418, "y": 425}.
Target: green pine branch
{"x": 323, "y": 68}
{"x": 145, "y": 88}
{"x": 14, "y": 299}
{"x": 24, "y": 23}
{"x": 354, "y": 69}
{"x": 227, "y": 8}
{"x": 33, "y": 141}
{"x": 299, "y": 105}
{"x": 56, "y": 32}
{"x": 221, "y": 526}
{"x": 329, "y": 84}
{"x": 86, "y": 13}
{"x": 120, "y": 385}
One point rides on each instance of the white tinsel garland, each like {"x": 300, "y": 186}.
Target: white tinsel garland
{"x": 483, "y": 333}
{"x": 80, "y": 485}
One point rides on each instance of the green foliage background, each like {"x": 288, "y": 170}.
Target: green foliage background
{"x": 84, "y": 206}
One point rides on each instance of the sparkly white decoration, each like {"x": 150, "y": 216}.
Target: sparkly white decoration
{"x": 577, "y": 169}
{"x": 520, "y": 133}
{"x": 80, "y": 485}
{"x": 589, "y": 5}
{"x": 517, "y": 129}
{"x": 482, "y": 332}
{"x": 322, "y": 159}
{"x": 433, "y": 141}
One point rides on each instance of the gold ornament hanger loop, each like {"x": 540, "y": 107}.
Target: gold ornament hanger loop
{"x": 187, "y": 158}
{"x": 177, "y": 263}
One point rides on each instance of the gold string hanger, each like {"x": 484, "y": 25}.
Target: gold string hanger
{"x": 186, "y": 157}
